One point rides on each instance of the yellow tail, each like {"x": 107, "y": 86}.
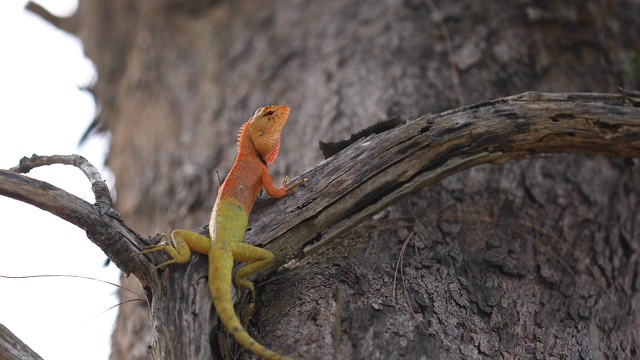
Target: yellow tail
{"x": 220, "y": 268}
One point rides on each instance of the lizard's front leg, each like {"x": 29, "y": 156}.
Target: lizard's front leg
{"x": 182, "y": 242}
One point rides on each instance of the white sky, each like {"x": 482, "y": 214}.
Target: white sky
{"x": 43, "y": 111}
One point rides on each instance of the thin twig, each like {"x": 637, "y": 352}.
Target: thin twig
{"x": 548, "y": 251}
{"x": 555, "y": 238}
{"x": 404, "y": 283}
{"x": 74, "y": 276}
{"x": 437, "y": 17}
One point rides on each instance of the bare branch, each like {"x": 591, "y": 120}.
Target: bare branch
{"x": 104, "y": 228}
{"x": 69, "y": 25}
{"x": 27, "y": 164}
{"x": 12, "y": 348}
{"x": 98, "y": 186}
{"x": 381, "y": 169}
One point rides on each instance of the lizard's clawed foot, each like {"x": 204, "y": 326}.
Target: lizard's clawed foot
{"x": 244, "y": 283}
{"x": 291, "y": 187}
{"x": 154, "y": 248}
{"x": 157, "y": 247}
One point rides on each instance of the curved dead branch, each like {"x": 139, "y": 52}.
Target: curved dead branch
{"x": 103, "y": 224}
{"x": 379, "y": 170}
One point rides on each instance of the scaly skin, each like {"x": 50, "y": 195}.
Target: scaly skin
{"x": 258, "y": 145}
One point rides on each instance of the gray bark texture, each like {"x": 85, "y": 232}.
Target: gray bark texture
{"x": 527, "y": 259}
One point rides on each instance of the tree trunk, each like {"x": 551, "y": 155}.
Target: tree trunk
{"x": 536, "y": 258}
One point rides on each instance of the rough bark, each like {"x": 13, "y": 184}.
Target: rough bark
{"x": 535, "y": 258}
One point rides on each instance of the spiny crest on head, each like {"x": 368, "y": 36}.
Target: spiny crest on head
{"x": 240, "y": 134}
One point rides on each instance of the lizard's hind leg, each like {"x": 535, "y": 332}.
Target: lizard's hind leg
{"x": 257, "y": 259}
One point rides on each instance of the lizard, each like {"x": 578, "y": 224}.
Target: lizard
{"x": 258, "y": 146}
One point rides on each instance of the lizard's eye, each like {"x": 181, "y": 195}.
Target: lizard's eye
{"x": 269, "y": 113}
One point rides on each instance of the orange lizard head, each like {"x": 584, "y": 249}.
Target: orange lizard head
{"x": 264, "y": 129}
